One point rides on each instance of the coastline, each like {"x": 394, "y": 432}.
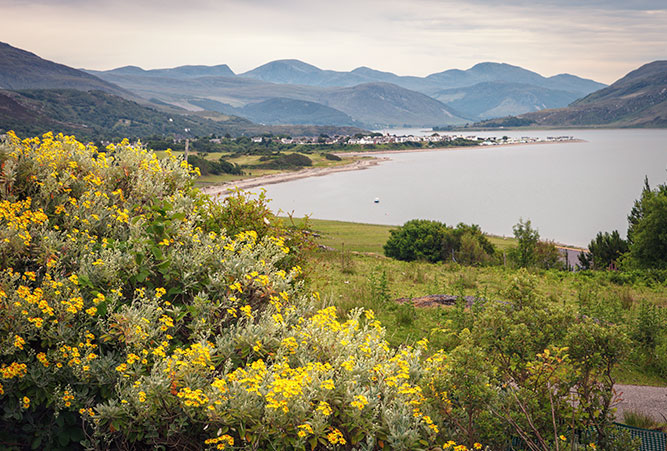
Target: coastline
{"x": 217, "y": 190}
{"x": 377, "y": 158}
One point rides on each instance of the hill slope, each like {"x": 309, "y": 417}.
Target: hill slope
{"x": 99, "y": 115}
{"x": 369, "y": 104}
{"x": 496, "y": 99}
{"x": 24, "y": 70}
{"x": 637, "y": 100}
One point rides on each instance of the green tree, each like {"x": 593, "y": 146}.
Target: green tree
{"x": 524, "y": 254}
{"x": 417, "y": 239}
{"x": 603, "y": 251}
{"x": 647, "y": 230}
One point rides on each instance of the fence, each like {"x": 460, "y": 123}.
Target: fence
{"x": 651, "y": 440}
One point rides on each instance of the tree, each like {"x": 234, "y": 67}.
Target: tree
{"x": 524, "y": 253}
{"x": 417, "y": 239}
{"x": 603, "y": 251}
{"x": 647, "y": 230}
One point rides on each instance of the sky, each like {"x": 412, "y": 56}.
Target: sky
{"x": 598, "y": 39}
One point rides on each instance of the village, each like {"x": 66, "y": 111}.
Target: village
{"x": 386, "y": 138}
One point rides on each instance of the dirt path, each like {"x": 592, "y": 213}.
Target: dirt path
{"x": 647, "y": 400}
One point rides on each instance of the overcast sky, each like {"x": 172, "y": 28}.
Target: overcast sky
{"x": 599, "y": 39}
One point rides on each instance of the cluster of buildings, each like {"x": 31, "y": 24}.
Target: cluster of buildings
{"x": 378, "y": 139}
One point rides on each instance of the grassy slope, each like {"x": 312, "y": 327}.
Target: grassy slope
{"x": 319, "y": 161}
{"x": 350, "y": 279}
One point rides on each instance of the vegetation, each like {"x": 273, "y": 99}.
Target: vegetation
{"x": 604, "y": 251}
{"x": 137, "y": 313}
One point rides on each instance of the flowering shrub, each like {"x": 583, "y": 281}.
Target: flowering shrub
{"x": 130, "y": 318}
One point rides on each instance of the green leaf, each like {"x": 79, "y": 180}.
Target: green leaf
{"x": 157, "y": 252}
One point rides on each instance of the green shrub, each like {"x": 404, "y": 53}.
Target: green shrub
{"x": 131, "y": 316}
{"x": 417, "y": 239}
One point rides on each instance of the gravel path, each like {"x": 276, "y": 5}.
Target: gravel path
{"x": 647, "y": 400}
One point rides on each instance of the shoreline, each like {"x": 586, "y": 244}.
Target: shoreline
{"x": 217, "y": 190}
{"x": 377, "y": 158}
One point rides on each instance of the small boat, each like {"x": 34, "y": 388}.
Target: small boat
{"x": 377, "y": 200}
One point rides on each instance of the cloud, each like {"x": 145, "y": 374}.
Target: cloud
{"x": 601, "y": 39}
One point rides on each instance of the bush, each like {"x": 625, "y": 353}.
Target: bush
{"x": 287, "y": 161}
{"x": 207, "y": 167}
{"x": 418, "y": 239}
{"x": 332, "y": 157}
{"x": 421, "y": 239}
{"x": 131, "y": 318}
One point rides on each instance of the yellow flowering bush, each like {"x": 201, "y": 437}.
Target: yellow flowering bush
{"x": 126, "y": 306}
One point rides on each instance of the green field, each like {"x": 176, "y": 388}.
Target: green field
{"x": 352, "y": 271}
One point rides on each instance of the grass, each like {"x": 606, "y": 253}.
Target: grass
{"x": 249, "y": 163}
{"x": 357, "y": 237}
{"x": 359, "y": 275}
{"x": 643, "y": 421}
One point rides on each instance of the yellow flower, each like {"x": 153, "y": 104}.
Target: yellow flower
{"x": 26, "y": 402}
{"x": 324, "y": 408}
{"x": 304, "y": 430}
{"x": 18, "y": 342}
{"x": 335, "y": 436}
{"x": 360, "y": 401}
{"x": 563, "y": 438}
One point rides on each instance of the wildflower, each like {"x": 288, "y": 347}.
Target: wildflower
{"x": 360, "y": 401}
{"x": 18, "y": 342}
{"x": 324, "y": 408}
{"x": 26, "y": 402}
{"x": 304, "y": 430}
{"x": 328, "y": 384}
{"x": 335, "y": 436}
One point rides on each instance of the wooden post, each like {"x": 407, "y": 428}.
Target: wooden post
{"x": 187, "y": 147}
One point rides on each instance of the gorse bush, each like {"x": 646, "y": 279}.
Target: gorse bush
{"x": 135, "y": 313}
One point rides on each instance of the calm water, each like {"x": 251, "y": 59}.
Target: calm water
{"x": 569, "y": 191}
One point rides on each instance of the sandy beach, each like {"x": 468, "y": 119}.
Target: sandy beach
{"x": 216, "y": 190}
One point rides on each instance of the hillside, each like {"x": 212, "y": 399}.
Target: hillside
{"x": 20, "y": 69}
{"x": 637, "y": 100}
{"x": 368, "y": 104}
{"x": 97, "y": 114}
{"x": 383, "y": 104}
{"x": 496, "y": 99}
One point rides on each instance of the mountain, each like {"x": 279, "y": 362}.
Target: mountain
{"x": 97, "y": 114}
{"x": 639, "y": 99}
{"x": 100, "y": 115}
{"x": 386, "y": 104}
{"x": 370, "y": 104}
{"x": 20, "y": 69}
{"x": 221, "y": 70}
{"x": 524, "y": 90}
{"x": 497, "y": 99}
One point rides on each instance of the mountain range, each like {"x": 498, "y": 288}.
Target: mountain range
{"x": 639, "y": 99}
{"x": 363, "y": 96}
{"x": 286, "y": 95}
